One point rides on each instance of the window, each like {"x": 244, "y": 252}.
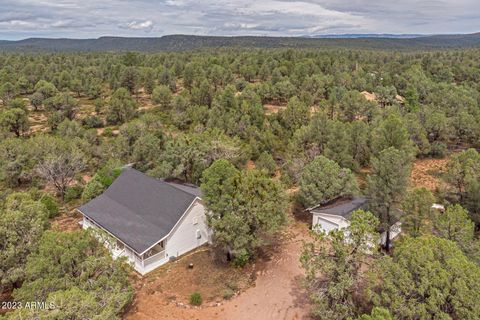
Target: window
{"x": 119, "y": 245}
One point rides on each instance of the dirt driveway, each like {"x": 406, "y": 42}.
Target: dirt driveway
{"x": 276, "y": 295}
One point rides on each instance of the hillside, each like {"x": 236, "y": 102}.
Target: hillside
{"x": 188, "y": 42}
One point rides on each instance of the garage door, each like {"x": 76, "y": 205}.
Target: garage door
{"x": 325, "y": 225}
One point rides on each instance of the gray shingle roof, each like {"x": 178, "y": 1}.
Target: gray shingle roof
{"x": 140, "y": 210}
{"x": 189, "y": 188}
{"x": 342, "y": 206}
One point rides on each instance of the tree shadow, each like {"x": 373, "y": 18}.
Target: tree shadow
{"x": 301, "y": 296}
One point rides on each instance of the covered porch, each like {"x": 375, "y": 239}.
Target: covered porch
{"x": 151, "y": 259}
{"x": 142, "y": 263}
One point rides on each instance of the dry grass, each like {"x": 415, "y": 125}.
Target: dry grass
{"x": 66, "y": 223}
{"x": 273, "y": 108}
{"x": 175, "y": 281}
{"x": 370, "y": 96}
{"x": 425, "y": 173}
{"x": 38, "y": 121}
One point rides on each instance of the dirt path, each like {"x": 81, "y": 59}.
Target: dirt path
{"x": 276, "y": 295}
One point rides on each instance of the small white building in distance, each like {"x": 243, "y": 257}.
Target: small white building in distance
{"x": 336, "y": 214}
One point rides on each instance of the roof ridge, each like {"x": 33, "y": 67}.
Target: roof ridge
{"x": 158, "y": 180}
{"x": 177, "y": 186}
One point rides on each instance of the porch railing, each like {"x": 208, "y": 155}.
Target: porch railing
{"x": 155, "y": 258}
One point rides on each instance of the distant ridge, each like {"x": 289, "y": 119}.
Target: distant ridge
{"x": 368, "y": 35}
{"x": 189, "y": 42}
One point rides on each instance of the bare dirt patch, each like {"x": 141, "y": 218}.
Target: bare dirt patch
{"x": 275, "y": 294}
{"x": 169, "y": 287}
{"x": 146, "y": 105}
{"x": 144, "y": 101}
{"x": 369, "y": 96}
{"x": 38, "y": 121}
{"x": 86, "y": 178}
{"x": 85, "y": 108}
{"x": 278, "y": 291}
{"x": 250, "y": 165}
{"x": 67, "y": 222}
{"x": 372, "y": 96}
{"x": 273, "y": 108}
{"x": 5, "y": 297}
{"x": 292, "y": 190}
{"x": 425, "y": 173}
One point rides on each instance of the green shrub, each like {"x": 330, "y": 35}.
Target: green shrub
{"x": 93, "y": 189}
{"x": 228, "y": 293}
{"x": 54, "y": 119}
{"x": 92, "y": 122}
{"x": 241, "y": 84}
{"x": 51, "y": 204}
{"x": 196, "y": 299}
{"x": 232, "y": 285}
{"x": 438, "y": 149}
{"x": 101, "y": 180}
{"x": 266, "y": 163}
{"x": 241, "y": 258}
{"x": 286, "y": 179}
{"x": 108, "y": 132}
{"x": 99, "y": 105}
{"x": 73, "y": 193}
{"x": 107, "y": 174}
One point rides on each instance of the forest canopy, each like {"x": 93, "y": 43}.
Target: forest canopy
{"x": 260, "y": 131}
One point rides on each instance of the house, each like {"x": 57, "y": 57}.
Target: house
{"x": 147, "y": 220}
{"x": 336, "y": 214}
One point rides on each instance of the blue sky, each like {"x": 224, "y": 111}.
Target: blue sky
{"x": 147, "y": 18}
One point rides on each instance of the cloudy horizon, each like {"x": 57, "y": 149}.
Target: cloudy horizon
{"x": 21, "y": 19}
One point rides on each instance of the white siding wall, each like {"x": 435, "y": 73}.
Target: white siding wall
{"x": 327, "y": 222}
{"x": 395, "y": 230}
{"x": 183, "y": 238}
{"x": 87, "y": 224}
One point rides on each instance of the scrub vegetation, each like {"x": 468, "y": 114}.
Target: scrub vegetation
{"x": 250, "y": 127}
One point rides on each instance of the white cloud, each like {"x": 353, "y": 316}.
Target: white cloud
{"x": 146, "y": 25}
{"x": 17, "y": 24}
{"x": 93, "y": 18}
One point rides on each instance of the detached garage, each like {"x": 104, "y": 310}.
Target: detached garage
{"x": 336, "y": 213}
